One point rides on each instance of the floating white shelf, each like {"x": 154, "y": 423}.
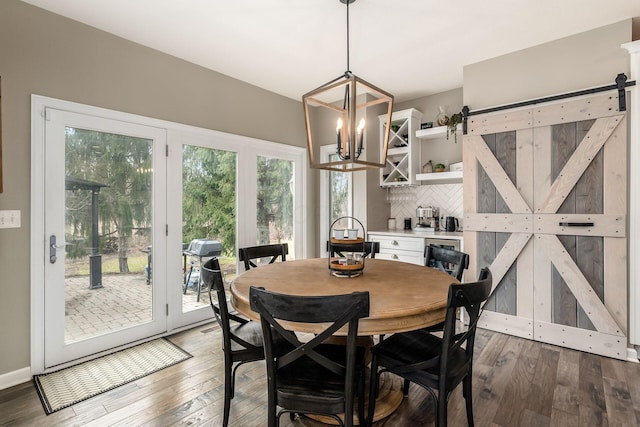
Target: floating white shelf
{"x": 436, "y": 132}
{"x": 440, "y": 177}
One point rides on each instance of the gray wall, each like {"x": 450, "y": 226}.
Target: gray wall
{"x": 45, "y": 54}
{"x": 585, "y": 60}
{"x": 440, "y": 150}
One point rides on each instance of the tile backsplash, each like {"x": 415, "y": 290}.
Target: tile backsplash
{"x": 405, "y": 200}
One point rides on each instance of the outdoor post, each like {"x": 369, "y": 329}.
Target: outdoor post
{"x": 95, "y": 259}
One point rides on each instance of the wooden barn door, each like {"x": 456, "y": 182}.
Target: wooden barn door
{"x": 545, "y": 205}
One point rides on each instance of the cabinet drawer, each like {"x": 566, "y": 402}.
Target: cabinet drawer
{"x": 401, "y": 243}
{"x": 410, "y": 257}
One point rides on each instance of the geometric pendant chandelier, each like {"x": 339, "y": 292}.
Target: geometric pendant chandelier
{"x": 336, "y": 113}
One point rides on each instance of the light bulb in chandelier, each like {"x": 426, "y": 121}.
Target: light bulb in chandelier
{"x": 343, "y": 149}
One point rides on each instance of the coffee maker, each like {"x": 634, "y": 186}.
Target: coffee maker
{"x": 427, "y": 218}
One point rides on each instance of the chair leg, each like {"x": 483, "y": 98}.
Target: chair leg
{"x": 405, "y": 388}
{"x": 233, "y": 378}
{"x": 361, "y": 416}
{"x": 228, "y": 392}
{"x": 468, "y": 399}
{"x": 441, "y": 408}
{"x": 373, "y": 390}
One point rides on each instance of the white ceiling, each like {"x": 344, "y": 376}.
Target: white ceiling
{"x": 411, "y": 48}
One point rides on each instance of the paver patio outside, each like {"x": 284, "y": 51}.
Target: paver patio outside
{"x": 123, "y": 301}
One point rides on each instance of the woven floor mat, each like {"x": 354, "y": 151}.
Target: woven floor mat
{"x": 63, "y": 388}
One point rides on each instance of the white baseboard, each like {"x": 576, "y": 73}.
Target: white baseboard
{"x": 16, "y": 377}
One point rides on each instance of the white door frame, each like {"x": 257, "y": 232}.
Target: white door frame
{"x": 634, "y": 195}
{"x": 39, "y": 243}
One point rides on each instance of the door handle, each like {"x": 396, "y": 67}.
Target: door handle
{"x": 576, "y": 224}
{"x": 394, "y": 243}
{"x": 52, "y": 249}
{"x": 394, "y": 256}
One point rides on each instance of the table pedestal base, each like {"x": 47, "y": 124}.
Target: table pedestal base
{"x": 389, "y": 398}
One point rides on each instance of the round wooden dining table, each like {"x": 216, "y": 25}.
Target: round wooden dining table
{"x": 402, "y": 297}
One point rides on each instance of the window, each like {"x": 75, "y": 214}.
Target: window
{"x": 335, "y": 196}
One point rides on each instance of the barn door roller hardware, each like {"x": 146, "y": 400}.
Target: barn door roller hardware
{"x": 620, "y": 85}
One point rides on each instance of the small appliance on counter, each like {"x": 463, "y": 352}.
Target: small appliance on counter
{"x": 451, "y": 224}
{"x": 427, "y": 219}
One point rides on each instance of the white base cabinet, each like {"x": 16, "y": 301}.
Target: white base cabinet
{"x": 409, "y": 246}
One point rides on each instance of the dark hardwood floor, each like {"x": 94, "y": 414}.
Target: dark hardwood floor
{"x": 516, "y": 383}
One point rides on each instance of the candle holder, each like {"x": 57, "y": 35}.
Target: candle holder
{"x": 346, "y": 249}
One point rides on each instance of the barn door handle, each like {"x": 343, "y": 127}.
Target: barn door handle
{"x": 576, "y": 224}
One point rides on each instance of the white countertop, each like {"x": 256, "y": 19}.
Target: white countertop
{"x": 454, "y": 235}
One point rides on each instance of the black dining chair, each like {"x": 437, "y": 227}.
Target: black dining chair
{"x": 447, "y": 260}
{"x": 242, "y": 340}
{"x": 433, "y": 362}
{"x": 249, "y": 254}
{"x": 366, "y": 248}
{"x": 314, "y": 377}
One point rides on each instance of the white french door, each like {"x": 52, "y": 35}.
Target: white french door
{"x": 115, "y": 199}
{"x": 105, "y": 203}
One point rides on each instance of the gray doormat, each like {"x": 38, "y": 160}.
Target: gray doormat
{"x": 63, "y": 388}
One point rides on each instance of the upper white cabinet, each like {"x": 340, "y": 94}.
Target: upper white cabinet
{"x": 403, "y": 154}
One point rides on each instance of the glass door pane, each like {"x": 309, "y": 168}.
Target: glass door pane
{"x": 208, "y": 218}
{"x": 108, "y": 217}
{"x": 275, "y": 210}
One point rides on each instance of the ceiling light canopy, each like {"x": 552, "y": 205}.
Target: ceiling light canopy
{"x": 341, "y": 113}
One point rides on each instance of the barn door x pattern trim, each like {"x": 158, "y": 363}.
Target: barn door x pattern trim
{"x": 534, "y": 221}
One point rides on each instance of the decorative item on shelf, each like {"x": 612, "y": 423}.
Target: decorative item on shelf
{"x": 351, "y": 262}
{"x": 455, "y": 167}
{"x": 442, "y": 119}
{"x": 452, "y": 126}
{"x": 395, "y": 128}
{"x": 428, "y": 167}
{"x": 427, "y": 125}
{"x": 439, "y": 167}
{"x": 320, "y": 104}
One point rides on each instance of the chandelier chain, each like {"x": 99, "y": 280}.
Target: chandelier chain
{"x": 348, "y": 69}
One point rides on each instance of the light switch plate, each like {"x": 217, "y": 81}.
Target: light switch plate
{"x": 9, "y": 219}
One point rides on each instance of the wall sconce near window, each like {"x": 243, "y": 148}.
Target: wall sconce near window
{"x": 336, "y": 113}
